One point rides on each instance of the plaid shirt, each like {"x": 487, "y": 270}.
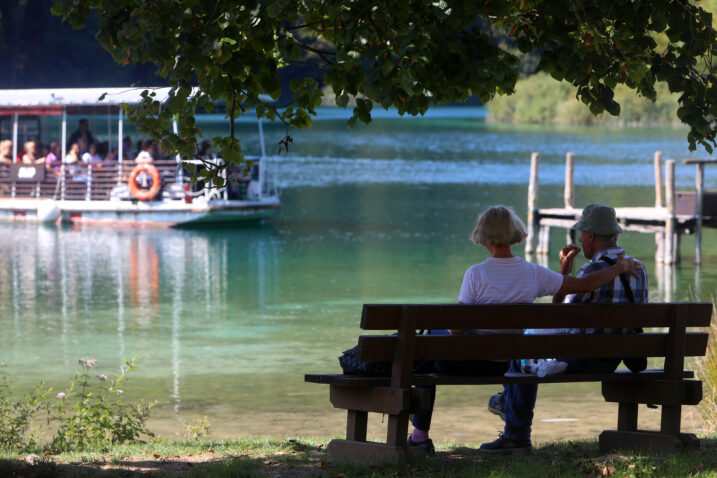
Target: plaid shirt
{"x": 612, "y": 291}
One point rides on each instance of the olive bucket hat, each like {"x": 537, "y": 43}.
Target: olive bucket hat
{"x": 599, "y": 219}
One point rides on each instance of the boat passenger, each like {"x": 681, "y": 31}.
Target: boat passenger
{"x": 82, "y": 132}
{"x": 73, "y": 155}
{"x": 205, "y": 150}
{"x": 145, "y": 156}
{"x": 31, "y": 155}
{"x": 52, "y": 160}
{"x": 127, "y": 150}
{"x": 6, "y": 151}
{"x": 91, "y": 156}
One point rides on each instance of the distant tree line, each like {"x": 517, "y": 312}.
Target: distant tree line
{"x": 38, "y": 50}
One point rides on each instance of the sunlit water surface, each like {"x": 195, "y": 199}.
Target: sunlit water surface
{"x": 227, "y": 320}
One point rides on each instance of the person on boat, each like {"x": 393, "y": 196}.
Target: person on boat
{"x": 505, "y": 278}
{"x": 73, "y": 160}
{"x": 52, "y": 160}
{"x": 91, "y": 156}
{"x": 205, "y": 150}
{"x": 32, "y": 155}
{"x": 599, "y": 232}
{"x": 127, "y": 150}
{"x": 145, "y": 156}
{"x": 6, "y": 151}
{"x": 82, "y": 132}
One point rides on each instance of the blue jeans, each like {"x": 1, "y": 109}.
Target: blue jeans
{"x": 520, "y": 399}
{"x": 463, "y": 367}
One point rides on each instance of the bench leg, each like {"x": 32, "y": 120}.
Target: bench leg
{"x": 397, "y": 430}
{"x": 671, "y": 417}
{"x": 627, "y": 416}
{"x": 356, "y": 424}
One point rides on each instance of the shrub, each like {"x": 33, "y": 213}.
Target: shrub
{"x": 706, "y": 368}
{"x": 17, "y": 415}
{"x": 91, "y": 414}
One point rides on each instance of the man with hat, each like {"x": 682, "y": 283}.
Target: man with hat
{"x": 599, "y": 232}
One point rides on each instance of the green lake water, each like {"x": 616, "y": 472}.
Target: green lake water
{"x": 227, "y": 320}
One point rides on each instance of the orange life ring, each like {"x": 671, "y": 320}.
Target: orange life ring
{"x": 141, "y": 194}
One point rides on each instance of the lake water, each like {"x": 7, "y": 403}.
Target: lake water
{"x": 227, "y": 320}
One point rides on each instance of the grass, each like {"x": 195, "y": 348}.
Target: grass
{"x": 306, "y": 457}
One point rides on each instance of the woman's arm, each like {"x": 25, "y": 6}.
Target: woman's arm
{"x": 574, "y": 285}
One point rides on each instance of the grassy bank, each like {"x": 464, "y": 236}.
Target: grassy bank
{"x": 542, "y": 100}
{"x": 306, "y": 457}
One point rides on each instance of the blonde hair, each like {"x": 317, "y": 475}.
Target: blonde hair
{"x": 28, "y": 144}
{"x": 498, "y": 226}
{"x": 5, "y": 142}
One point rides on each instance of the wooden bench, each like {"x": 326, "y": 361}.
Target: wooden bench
{"x": 397, "y": 396}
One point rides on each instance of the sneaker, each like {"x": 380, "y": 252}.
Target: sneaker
{"x": 505, "y": 446}
{"x": 496, "y": 405}
{"x": 425, "y": 445}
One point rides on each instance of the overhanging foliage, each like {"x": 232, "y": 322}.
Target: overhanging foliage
{"x": 407, "y": 54}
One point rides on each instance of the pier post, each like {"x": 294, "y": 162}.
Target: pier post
{"x": 543, "y": 240}
{"x": 569, "y": 193}
{"x": 659, "y": 191}
{"x": 659, "y": 202}
{"x": 699, "y": 185}
{"x": 671, "y": 244}
{"x": 532, "y": 203}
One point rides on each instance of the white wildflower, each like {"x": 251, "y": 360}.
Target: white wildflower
{"x": 120, "y": 392}
{"x": 102, "y": 377}
{"x": 90, "y": 363}
{"x": 61, "y": 395}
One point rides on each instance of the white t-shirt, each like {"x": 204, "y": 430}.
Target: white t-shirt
{"x": 507, "y": 280}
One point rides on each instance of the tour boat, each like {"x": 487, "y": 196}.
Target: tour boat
{"x": 157, "y": 192}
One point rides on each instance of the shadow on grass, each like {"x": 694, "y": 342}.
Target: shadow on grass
{"x": 295, "y": 458}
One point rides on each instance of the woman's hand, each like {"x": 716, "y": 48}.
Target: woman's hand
{"x": 628, "y": 265}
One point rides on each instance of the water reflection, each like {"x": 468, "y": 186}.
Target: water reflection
{"x": 71, "y": 293}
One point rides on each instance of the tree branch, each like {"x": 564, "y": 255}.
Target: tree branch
{"x": 321, "y": 53}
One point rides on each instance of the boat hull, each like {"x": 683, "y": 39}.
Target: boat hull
{"x": 160, "y": 213}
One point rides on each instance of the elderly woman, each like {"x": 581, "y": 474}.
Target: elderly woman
{"x": 505, "y": 278}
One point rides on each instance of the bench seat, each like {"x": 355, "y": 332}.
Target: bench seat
{"x": 359, "y": 381}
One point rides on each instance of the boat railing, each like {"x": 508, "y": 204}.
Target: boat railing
{"x": 79, "y": 182}
{"x": 96, "y": 181}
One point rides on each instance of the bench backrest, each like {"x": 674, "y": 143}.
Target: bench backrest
{"x": 674, "y": 343}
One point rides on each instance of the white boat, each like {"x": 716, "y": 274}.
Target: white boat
{"x": 111, "y": 192}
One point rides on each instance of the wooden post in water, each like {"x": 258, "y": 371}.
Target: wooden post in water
{"x": 532, "y": 203}
{"x": 699, "y": 185}
{"x": 569, "y": 193}
{"x": 659, "y": 191}
{"x": 670, "y": 244}
{"x": 659, "y": 202}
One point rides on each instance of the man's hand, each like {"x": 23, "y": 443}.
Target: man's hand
{"x": 629, "y": 265}
{"x": 567, "y": 254}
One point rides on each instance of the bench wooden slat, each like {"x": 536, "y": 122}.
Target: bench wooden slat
{"x": 505, "y": 347}
{"x": 521, "y": 316}
{"x": 358, "y": 381}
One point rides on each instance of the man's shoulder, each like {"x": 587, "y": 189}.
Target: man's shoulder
{"x": 590, "y": 267}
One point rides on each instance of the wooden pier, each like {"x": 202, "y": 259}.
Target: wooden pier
{"x": 675, "y": 212}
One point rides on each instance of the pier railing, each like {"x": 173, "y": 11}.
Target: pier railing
{"x": 672, "y": 216}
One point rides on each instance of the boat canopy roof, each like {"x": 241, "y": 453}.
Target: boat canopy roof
{"x": 52, "y": 101}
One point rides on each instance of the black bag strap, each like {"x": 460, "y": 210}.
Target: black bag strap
{"x": 624, "y": 279}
